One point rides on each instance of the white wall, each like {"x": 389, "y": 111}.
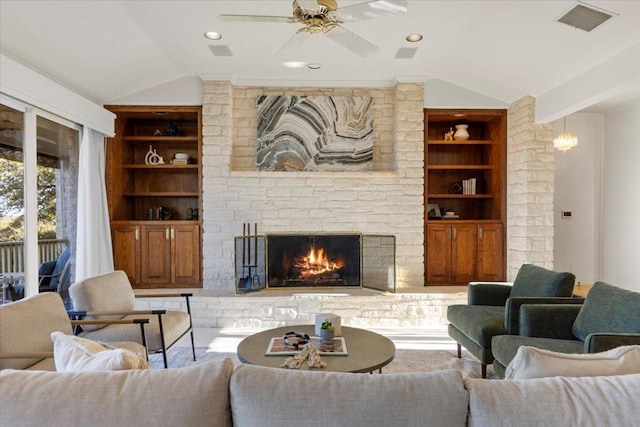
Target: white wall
{"x": 442, "y": 94}
{"x": 183, "y": 91}
{"x": 621, "y": 198}
{"x": 577, "y": 189}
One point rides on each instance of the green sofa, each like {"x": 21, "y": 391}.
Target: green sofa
{"x": 493, "y": 308}
{"x": 608, "y": 318}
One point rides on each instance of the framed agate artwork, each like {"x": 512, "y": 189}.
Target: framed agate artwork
{"x": 315, "y": 133}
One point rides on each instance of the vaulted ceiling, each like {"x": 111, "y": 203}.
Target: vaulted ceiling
{"x": 105, "y": 50}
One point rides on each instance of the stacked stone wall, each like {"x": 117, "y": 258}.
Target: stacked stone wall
{"x": 530, "y": 178}
{"x": 388, "y": 200}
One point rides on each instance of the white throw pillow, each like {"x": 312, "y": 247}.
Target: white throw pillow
{"x": 75, "y": 354}
{"x": 531, "y": 362}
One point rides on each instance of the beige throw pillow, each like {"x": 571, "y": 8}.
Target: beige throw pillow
{"x": 75, "y": 354}
{"x": 531, "y": 362}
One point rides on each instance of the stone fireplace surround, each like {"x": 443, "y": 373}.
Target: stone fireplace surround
{"x": 387, "y": 200}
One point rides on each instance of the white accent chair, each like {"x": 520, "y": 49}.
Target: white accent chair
{"x": 110, "y": 296}
{"x": 26, "y": 326}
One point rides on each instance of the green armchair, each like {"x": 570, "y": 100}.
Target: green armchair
{"x": 608, "y": 318}
{"x": 493, "y": 308}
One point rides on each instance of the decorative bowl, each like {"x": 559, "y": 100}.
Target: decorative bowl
{"x": 181, "y": 156}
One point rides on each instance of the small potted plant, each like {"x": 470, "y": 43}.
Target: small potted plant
{"x": 327, "y": 331}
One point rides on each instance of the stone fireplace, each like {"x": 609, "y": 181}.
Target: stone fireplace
{"x": 387, "y": 201}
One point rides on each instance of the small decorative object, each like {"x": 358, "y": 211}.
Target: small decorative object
{"x": 455, "y": 188}
{"x": 449, "y": 135}
{"x": 153, "y": 158}
{"x": 189, "y": 214}
{"x": 172, "y": 130}
{"x": 328, "y": 317}
{"x": 461, "y": 133}
{"x": 180, "y": 159}
{"x": 327, "y": 332}
{"x": 158, "y": 132}
{"x": 433, "y": 210}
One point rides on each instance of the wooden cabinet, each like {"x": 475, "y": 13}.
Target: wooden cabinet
{"x": 157, "y": 255}
{"x": 126, "y": 250}
{"x": 154, "y": 204}
{"x": 470, "y": 245}
{"x": 491, "y": 262}
{"x": 463, "y": 252}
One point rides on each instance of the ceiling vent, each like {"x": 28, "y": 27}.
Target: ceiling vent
{"x": 220, "y": 50}
{"x": 585, "y": 17}
{"x": 406, "y": 52}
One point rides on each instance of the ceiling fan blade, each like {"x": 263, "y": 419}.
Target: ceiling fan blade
{"x": 255, "y": 18}
{"x": 353, "y": 42}
{"x": 372, "y": 9}
{"x": 295, "y": 42}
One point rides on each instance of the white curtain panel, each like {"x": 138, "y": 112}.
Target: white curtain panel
{"x": 94, "y": 254}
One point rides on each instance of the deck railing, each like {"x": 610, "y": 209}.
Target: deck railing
{"x": 12, "y": 254}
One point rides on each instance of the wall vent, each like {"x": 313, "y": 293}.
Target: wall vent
{"x": 406, "y": 52}
{"x": 584, "y": 17}
{"x": 222, "y": 50}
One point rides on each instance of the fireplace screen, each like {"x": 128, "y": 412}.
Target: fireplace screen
{"x": 313, "y": 260}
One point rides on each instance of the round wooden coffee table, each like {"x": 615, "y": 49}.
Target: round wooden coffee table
{"x": 367, "y": 351}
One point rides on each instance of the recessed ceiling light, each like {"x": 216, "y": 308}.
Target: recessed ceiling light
{"x": 212, "y": 35}
{"x": 415, "y": 37}
{"x": 314, "y": 66}
{"x": 294, "y": 64}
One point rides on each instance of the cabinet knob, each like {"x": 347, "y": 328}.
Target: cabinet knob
{"x": 454, "y": 232}
{"x": 166, "y": 233}
{"x": 173, "y": 234}
{"x": 479, "y": 232}
{"x": 137, "y": 233}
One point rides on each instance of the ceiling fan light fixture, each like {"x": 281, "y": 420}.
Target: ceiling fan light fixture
{"x": 565, "y": 141}
{"x": 314, "y": 66}
{"x": 414, "y": 37}
{"x": 212, "y": 35}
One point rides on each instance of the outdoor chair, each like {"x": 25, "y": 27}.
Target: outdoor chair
{"x": 27, "y": 324}
{"x": 110, "y": 296}
{"x": 493, "y": 308}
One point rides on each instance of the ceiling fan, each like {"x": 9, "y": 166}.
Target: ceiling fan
{"x": 325, "y": 17}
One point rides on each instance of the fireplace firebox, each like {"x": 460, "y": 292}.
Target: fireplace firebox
{"x": 322, "y": 260}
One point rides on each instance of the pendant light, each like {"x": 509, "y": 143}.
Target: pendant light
{"x": 565, "y": 141}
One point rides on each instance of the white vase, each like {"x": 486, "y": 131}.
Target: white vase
{"x": 461, "y": 133}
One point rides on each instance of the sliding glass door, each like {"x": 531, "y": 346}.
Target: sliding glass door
{"x": 38, "y": 195}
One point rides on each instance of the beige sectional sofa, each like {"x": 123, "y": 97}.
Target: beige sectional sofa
{"x": 214, "y": 394}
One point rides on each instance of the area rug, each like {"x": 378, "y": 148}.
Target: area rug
{"x": 404, "y": 361}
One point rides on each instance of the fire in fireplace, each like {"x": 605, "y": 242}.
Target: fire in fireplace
{"x": 313, "y": 260}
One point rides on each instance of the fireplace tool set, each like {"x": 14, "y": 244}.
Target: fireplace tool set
{"x": 251, "y": 279}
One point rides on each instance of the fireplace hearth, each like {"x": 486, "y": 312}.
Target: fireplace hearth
{"x": 323, "y": 260}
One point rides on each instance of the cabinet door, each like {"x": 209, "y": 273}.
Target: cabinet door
{"x": 185, "y": 246}
{"x": 438, "y": 253}
{"x": 464, "y": 247}
{"x": 155, "y": 254}
{"x": 126, "y": 250}
{"x": 490, "y": 253}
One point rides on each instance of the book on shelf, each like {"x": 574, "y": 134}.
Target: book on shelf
{"x": 277, "y": 347}
{"x": 469, "y": 186}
